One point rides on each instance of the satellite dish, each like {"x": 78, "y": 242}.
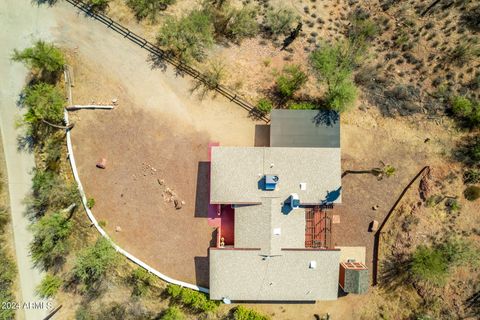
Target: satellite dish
{"x": 227, "y": 301}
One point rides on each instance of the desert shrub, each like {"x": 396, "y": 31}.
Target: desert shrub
{"x": 90, "y": 203}
{"x": 472, "y": 193}
{"x": 430, "y": 265}
{"x": 242, "y": 24}
{"x": 280, "y": 21}
{"x": 361, "y": 28}
{"x": 148, "y": 8}
{"x": 290, "y": 80}
{"x": 4, "y": 219}
{"x": 42, "y": 57}
{"x": 410, "y": 221}
{"x": 189, "y": 37}
{"x": 50, "y": 239}
{"x": 231, "y": 22}
{"x": 243, "y": 313}
{"x": 469, "y": 152}
{"x": 214, "y": 74}
{"x": 114, "y": 311}
{"x": 49, "y": 286}
{"x": 433, "y": 264}
{"x": 92, "y": 263}
{"x": 98, "y": 4}
{"x": 302, "y": 106}
{"x": 53, "y": 148}
{"x": 173, "y": 313}
{"x": 50, "y": 191}
{"x": 264, "y": 105}
{"x": 471, "y": 176}
{"x": 471, "y": 18}
{"x": 141, "y": 280}
{"x": 195, "y": 300}
{"x": 7, "y": 279}
{"x": 452, "y": 205}
{"x": 466, "y": 109}
{"x": 44, "y": 102}
{"x": 462, "y": 54}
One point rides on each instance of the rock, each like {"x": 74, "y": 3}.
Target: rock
{"x": 182, "y": 202}
{"x": 178, "y": 205}
{"x": 118, "y": 229}
{"x": 114, "y": 101}
{"x": 161, "y": 182}
{"x": 375, "y": 207}
{"x": 102, "y": 163}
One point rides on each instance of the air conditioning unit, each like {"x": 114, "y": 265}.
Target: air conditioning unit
{"x": 271, "y": 181}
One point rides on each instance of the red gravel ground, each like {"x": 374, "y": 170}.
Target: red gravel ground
{"x": 128, "y": 193}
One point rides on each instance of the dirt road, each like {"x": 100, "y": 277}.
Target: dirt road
{"x": 20, "y": 22}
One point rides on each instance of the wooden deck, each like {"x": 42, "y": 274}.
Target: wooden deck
{"x": 317, "y": 228}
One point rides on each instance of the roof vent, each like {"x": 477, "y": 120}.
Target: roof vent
{"x": 303, "y": 186}
{"x": 271, "y": 181}
{"x": 277, "y": 231}
{"x": 294, "y": 201}
{"x": 312, "y": 265}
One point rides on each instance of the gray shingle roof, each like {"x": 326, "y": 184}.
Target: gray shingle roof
{"x": 237, "y": 171}
{"x": 305, "y": 128}
{"x": 255, "y": 226}
{"x": 243, "y": 275}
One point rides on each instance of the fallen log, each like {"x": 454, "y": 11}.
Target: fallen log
{"x": 70, "y": 126}
{"x": 91, "y": 107}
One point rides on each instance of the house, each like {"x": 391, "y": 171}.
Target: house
{"x": 274, "y": 244}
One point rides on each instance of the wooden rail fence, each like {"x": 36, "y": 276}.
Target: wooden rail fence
{"x": 425, "y": 171}
{"x": 168, "y": 57}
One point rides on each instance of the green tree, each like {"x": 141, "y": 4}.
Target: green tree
{"x": 281, "y": 20}
{"x": 342, "y": 96}
{"x": 148, "y": 8}
{"x": 290, "y": 80}
{"x": 50, "y": 240}
{"x": 92, "y": 263}
{"x": 173, "y": 313}
{"x": 44, "y": 103}
{"x": 49, "y": 286}
{"x": 43, "y": 57}
{"x": 334, "y": 65}
{"x": 189, "y": 37}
